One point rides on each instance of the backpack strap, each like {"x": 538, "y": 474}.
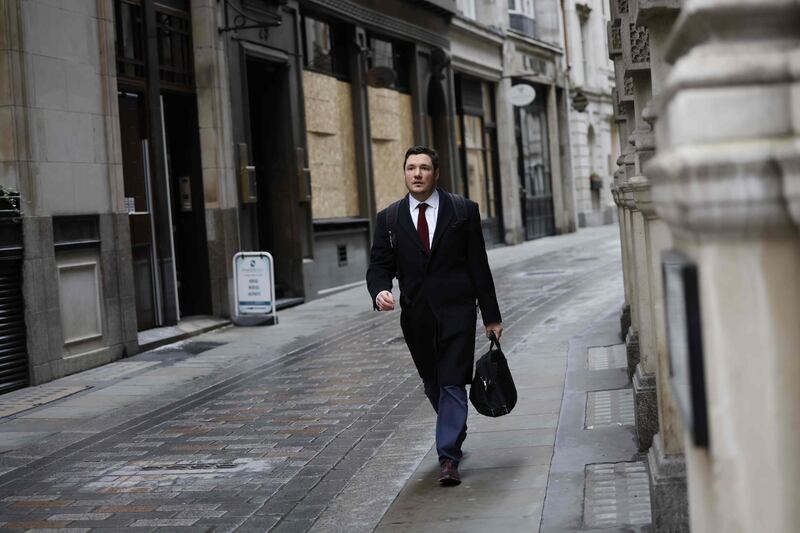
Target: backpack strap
{"x": 460, "y": 205}
{"x": 391, "y": 222}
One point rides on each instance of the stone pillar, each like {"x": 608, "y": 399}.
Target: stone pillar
{"x": 220, "y": 188}
{"x": 667, "y": 464}
{"x": 614, "y": 40}
{"x": 507, "y": 146}
{"x": 725, "y": 180}
{"x": 636, "y": 67}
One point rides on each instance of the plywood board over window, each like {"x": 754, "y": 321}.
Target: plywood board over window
{"x": 392, "y": 129}
{"x": 331, "y": 149}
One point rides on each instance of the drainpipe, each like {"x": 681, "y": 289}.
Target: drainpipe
{"x": 566, "y": 37}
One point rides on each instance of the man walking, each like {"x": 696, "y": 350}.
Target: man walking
{"x": 432, "y": 241}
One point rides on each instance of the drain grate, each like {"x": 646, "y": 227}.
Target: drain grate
{"x": 617, "y": 494}
{"x": 608, "y": 408}
{"x": 191, "y": 466}
{"x": 190, "y": 347}
{"x": 607, "y": 357}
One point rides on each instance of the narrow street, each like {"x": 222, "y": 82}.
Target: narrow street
{"x": 319, "y": 423}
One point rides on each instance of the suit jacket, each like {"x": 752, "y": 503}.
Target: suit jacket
{"x": 451, "y": 279}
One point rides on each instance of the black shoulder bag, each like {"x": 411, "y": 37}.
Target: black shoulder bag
{"x": 493, "y": 392}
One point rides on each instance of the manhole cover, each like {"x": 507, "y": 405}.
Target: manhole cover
{"x": 616, "y": 495}
{"x": 191, "y": 466}
{"x": 191, "y": 347}
{"x": 609, "y": 408}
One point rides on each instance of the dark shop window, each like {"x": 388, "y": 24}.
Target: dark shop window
{"x": 174, "y": 48}
{"x": 384, "y": 53}
{"x": 130, "y": 39}
{"x": 324, "y": 47}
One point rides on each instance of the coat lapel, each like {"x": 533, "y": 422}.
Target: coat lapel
{"x": 405, "y": 222}
{"x": 446, "y": 211}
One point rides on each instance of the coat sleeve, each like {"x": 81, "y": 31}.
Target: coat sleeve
{"x": 479, "y": 268}
{"x": 382, "y": 267}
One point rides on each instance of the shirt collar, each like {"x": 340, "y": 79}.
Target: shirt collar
{"x": 432, "y": 201}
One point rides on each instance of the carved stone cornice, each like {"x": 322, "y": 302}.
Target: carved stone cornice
{"x": 635, "y": 47}
{"x": 656, "y": 10}
{"x": 642, "y": 196}
{"x": 701, "y": 22}
{"x": 619, "y": 114}
{"x": 387, "y": 24}
{"x": 729, "y": 148}
{"x": 614, "y": 31}
{"x": 619, "y": 8}
{"x": 747, "y": 188}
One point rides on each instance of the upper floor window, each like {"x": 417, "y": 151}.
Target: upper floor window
{"x": 393, "y": 55}
{"x": 522, "y": 17}
{"x": 130, "y": 37}
{"x": 324, "y": 47}
{"x": 467, "y": 8}
{"x": 174, "y": 47}
{"x": 521, "y": 7}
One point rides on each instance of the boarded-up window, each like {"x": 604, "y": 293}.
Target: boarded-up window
{"x": 392, "y": 128}
{"x": 331, "y": 151}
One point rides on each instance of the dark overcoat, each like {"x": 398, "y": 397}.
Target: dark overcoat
{"x": 450, "y": 281}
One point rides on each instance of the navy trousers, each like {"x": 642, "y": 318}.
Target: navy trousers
{"x": 422, "y": 335}
{"x": 450, "y": 404}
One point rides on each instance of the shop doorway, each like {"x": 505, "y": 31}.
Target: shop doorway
{"x": 272, "y": 152}
{"x": 152, "y": 260}
{"x": 140, "y": 203}
{"x": 185, "y": 180}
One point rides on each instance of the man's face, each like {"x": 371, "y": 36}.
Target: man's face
{"x": 421, "y": 179}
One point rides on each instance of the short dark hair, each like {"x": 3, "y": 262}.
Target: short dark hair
{"x": 418, "y": 150}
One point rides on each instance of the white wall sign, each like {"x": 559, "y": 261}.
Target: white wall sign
{"x": 521, "y": 94}
{"x": 254, "y": 282}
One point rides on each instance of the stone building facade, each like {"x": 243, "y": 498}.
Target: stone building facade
{"x": 541, "y": 152}
{"x": 150, "y": 141}
{"x": 593, "y": 130}
{"x": 707, "y": 197}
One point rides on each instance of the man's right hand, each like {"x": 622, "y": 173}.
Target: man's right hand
{"x": 385, "y": 301}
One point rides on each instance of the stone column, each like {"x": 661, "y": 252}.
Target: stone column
{"x": 725, "y": 180}
{"x": 513, "y": 224}
{"x": 667, "y": 464}
{"x": 636, "y": 67}
{"x": 620, "y": 116}
{"x": 220, "y": 188}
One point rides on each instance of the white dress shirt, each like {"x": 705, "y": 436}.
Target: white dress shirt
{"x": 431, "y": 213}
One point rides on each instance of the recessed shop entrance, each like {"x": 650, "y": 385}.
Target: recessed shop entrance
{"x": 188, "y": 210}
{"x": 167, "y": 223}
{"x": 273, "y": 154}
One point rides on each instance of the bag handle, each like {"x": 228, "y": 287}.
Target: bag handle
{"x": 494, "y": 341}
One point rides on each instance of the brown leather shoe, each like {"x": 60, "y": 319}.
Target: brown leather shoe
{"x": 449, "y": 475}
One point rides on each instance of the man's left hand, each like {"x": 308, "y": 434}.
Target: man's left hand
{"x": 497, "y": 329}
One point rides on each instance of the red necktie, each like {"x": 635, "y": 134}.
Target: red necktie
{"x": 422, "y": 228}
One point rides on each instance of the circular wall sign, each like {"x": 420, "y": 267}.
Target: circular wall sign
{"x": 522, "y": 94}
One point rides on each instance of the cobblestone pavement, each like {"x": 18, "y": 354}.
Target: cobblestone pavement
{"x": 271, "y": 448}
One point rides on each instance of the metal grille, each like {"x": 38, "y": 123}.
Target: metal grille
{"x": 130, "y": 39}
{"x": 175, "y": 48}
{"x": 13, "y": 342}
